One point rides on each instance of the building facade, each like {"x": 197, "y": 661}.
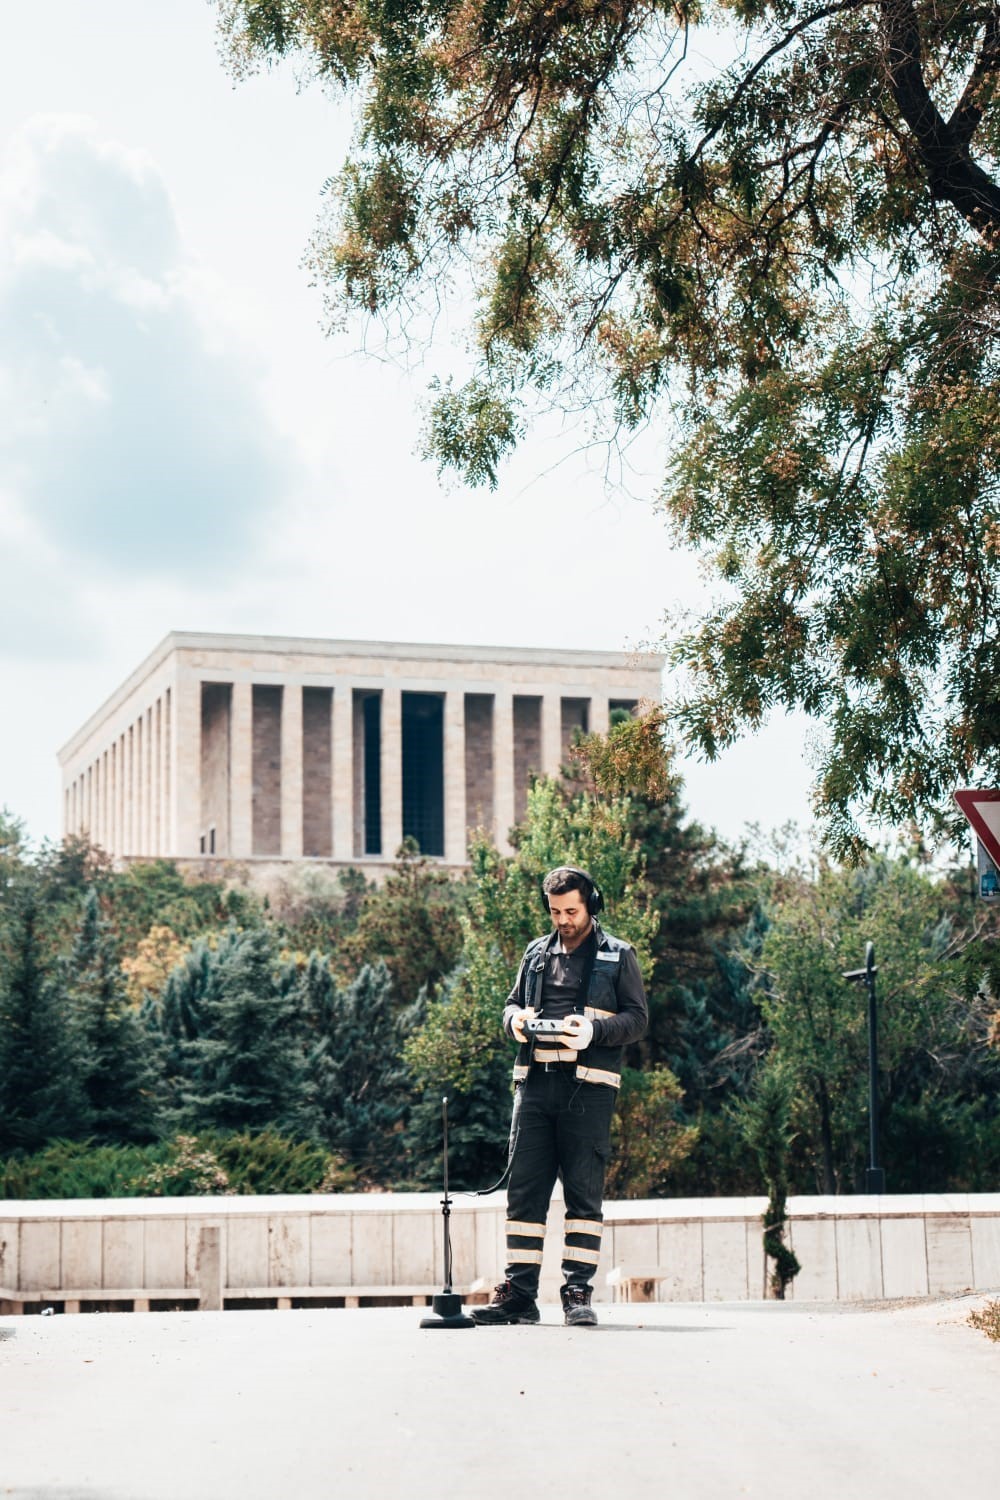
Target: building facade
{"x": 271, "y": 748}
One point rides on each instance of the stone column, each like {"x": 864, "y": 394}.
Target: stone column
{"x": 165, "y": 773}
{"x": 136, "y": 784}
{"x": 503, "y": 768}
{"x": 598, "y": 720}
{"x": 150, "y": 770}
{"x": 142, "y": 783}
{"x": 455, "y": 828}
{"x": 105, "y": 799}
{"x": 551, "y": 734}
{"x": 157, "y": 844}
{"x": 120, "y": 812}
{"x": 98, "y": 831}
{"x": 95, "y": 799}
{"x": 185, "y": 766}
{"x": 291, "y": 771}
{"x": 113, "y": 797}
{"x": 241, "y": 771}
{"x": 392, "y": 771}
{"x": 128, "y": 832}
{"x": 342, "y": 779}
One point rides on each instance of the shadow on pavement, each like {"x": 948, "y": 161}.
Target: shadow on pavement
{"x": 58, "y": 1492}
{"x": 641, "y": 1328}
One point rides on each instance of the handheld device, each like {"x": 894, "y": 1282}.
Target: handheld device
{"x": 546, "y": 1026}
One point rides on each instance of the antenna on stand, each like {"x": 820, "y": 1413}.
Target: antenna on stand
{"x": 447, "y": 1304}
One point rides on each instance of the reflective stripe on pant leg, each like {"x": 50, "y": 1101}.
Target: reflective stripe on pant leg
{"x": 584, "y": 1148}
{"x": 525, "y": 1243}
{"x": 581, "y": 1248}
{"x": 532, "y": 1175}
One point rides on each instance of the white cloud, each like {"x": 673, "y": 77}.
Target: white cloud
{"x": 135, "y": 435}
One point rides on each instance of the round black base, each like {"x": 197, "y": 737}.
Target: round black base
{"x": 460, "y": 1322}
{"x": 447, "y": 1313}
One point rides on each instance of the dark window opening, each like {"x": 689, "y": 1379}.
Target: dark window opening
{"x": 575, "y": 721}
{"x": 372, "y": 710}
{"x": 423, "y": 770}
{"x": 527, "y": 750}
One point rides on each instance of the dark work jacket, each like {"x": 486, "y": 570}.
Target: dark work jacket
{"x": 618, "y": 1019}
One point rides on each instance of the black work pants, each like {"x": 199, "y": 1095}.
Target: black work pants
{"x": 559, "y": 1126}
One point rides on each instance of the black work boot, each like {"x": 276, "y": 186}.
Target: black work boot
{"x": 508, "y": 1306}
{"x": 577, "y": 1311}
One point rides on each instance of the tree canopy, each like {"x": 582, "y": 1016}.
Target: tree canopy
{"x": 787, "y": 259}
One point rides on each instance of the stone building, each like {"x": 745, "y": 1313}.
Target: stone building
{"x": 272, "y": 748}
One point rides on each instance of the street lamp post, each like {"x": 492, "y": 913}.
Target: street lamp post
{"x": 874, "y": 1175}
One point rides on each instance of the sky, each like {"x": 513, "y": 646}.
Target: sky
{"x": 183, "y": 446}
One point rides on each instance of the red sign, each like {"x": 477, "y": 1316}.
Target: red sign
{"x": 983, "y": 811}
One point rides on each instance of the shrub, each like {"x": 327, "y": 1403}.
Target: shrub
{"x": 187, "y": 1166}
{"x": 267, "y": 1162}
{"x": 76, "y": 1169}
{"x": 191, "y": 1171}
{"x": 987, "y": 1320}
{"x": 648, "y": 1139}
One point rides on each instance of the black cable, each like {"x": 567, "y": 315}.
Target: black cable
{"x": 512, "y": 1139}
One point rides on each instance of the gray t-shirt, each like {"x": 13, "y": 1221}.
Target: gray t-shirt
{"x": 564, "y": 973}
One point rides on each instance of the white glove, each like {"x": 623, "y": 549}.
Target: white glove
{"x": 518, "y": 1021}
{"x": 578, "y": 1033}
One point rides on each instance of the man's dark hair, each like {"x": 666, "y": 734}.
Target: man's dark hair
{"x": 567, "y": 878}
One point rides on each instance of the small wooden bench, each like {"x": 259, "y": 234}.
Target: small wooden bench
{"x": 75, "y": 1299}
{"x": 352, "y": 1296}
{"x": 636, "y": 1283}
{"x": 72, "y": 1299}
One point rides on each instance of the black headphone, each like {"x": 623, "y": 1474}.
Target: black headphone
{"x": 591, "y": 893}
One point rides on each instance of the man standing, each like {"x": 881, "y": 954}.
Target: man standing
{"x": 565, "y": 1085}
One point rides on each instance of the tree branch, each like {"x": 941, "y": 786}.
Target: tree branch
{"x": 951, "y": 172}
{"x": 969, "y": 110}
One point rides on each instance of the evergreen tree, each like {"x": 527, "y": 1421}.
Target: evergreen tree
{"x": 477, "y": 1146}
{"x": 313, "y": 991}
{"x": 244, "y": 1068}
{"x": 764, "y": 1121}
{"x": 119, "y": 1074}
{"x": 178, "y": 1021}
{"x": 13, "y": 857}
{"x": 42, "y": 1094}
{"x": 361, "y": 1087}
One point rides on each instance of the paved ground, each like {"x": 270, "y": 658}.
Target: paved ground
{"x": 687, "y": 1401}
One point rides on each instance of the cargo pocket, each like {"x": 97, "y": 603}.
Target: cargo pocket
{"x": 598, "y": 1170}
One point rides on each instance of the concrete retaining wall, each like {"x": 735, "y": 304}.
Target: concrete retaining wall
{"x": 851, "y": 1249}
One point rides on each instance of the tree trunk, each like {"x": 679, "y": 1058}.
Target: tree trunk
{"x": 826, "y": 1138}
{"x": 942, "y": 145}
